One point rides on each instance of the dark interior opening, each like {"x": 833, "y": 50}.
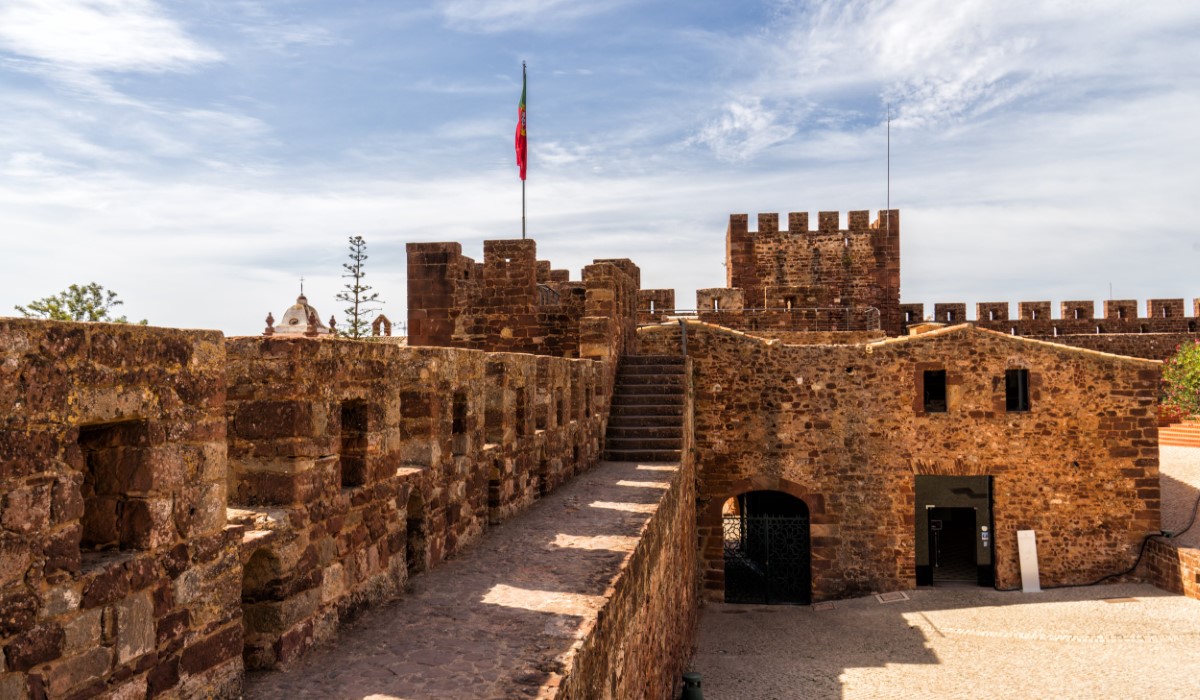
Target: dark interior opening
{"x": 935, "y": 390}
{"x": 952, "y": 544}
{"x": 353, "y": 456}
{"x": 1016, "y": 390}
{"x": 415, "y": 536}
{"x": 116, "y": 478}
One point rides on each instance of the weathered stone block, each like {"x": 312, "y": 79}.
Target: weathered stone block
{"x": 220, "y": 647}
{"x": 18, "y": 612}
{"x": 39, "y": 645}
{"x": 135, "y": 626}
{"x": 76, "y": 671}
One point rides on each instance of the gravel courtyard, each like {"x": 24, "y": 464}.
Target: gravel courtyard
{"x": 1114, "y": 641}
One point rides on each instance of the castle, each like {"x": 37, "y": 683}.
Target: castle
{"x": 181, "y": 508}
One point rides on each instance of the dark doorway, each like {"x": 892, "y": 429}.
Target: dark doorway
{"x": 952, "y": 544}
{"x": 767, "y": 549}
{"x": 954, "y": 530}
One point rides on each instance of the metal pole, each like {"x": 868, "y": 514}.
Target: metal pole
{"x": 525, "y": 124}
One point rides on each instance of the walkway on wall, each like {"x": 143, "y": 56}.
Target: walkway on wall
{"x": 500, "y": 620}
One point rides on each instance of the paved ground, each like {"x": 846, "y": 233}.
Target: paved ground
{"x": 963, "y": 642}
{"x": 969, "y": 642}
{"x": 499, "y": 620}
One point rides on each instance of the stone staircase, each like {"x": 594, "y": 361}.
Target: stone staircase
{"x": 1182, "y": 434}
{"x": 645, "y": 423}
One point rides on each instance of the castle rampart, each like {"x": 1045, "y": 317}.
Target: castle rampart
{"x": 513, "y": 302}
{"x": 180, "y": 506}
{"x": 856, "y": 267}
{"x": 1154, "y": 335}
{"x": 849, "y": 430}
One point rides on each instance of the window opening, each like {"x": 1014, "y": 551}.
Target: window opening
{"x": 116, "y": 457}
{"x": 458, "y": 424}
{"x": 520, "y": 410}
{"x": 935, "y": 390}
{"x": 1016, "y": 390}
{"x": 353, "y": 455}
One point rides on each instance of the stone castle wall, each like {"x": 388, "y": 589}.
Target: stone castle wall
{"x": 1172, "y": 567}
{"x": 856, "y": 267}
{"x": 354, "y": 464}
{"x": 642, "y": 641}
{"x": 117, "y": 567}
{"x": 513, "y": 302}
{"x": 347, "y": 466}
{"x": 1122, "y": 329}
{"x": 843, "y": 428}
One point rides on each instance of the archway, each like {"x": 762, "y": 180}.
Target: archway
{"x": 767, "y": 549}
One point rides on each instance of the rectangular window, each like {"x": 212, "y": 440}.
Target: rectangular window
{"x": 117, "y": 473}
{"x": 935, "y": 391}
{"x": 1016, "y": 390}
{"x": 353, "y": 455}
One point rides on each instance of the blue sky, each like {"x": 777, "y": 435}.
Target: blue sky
{"x": 200, "y": 157}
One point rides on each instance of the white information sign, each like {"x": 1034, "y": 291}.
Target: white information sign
{"x": 1027, "y": 549}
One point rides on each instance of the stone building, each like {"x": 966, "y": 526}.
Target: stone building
{"x": 180, "y": 508}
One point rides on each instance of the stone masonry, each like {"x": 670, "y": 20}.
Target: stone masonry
{"x": 118, "y": 570}
{"x": 843, "y": 428}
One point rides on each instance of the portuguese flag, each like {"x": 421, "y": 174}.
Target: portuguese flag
{"x": 522, "y": 140}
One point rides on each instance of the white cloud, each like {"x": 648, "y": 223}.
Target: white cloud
{"x": 744, "y": 130}
{"x": 99, "y": 35}
{"x": 487, "y": 16}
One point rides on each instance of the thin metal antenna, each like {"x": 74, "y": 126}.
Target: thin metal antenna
{"x": 889, "y": 168}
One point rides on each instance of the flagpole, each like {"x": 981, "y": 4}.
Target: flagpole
{"x": 524, "y": 84}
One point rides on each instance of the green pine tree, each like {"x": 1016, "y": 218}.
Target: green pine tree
{"x": 358, "y": 295}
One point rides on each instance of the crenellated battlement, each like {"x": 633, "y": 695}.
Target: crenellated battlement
{"x": 513, "y": 302}
{"x": 1075, "y": 318}
{"x": 854, "y": 266}
{"x": 827, "y": 222}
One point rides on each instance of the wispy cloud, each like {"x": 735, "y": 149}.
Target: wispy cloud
{"x": 487, "y": 16}
{"x": 99, "y": 35}
{"x": 745, "y": 129}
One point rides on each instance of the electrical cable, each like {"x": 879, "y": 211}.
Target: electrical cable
{"x": 1138, "y": 561}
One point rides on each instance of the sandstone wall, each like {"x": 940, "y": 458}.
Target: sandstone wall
{"x": 843, "y": 428}
{"x": 855, "y": 267}
{"x": 1121, "y": 330}
{"x": 513, "y": 302}
{"x": 117, "y": 570}
{"x": 644, "y": 634}
{"x": 1172, "y": 568}
{"x": 354, "y": 464}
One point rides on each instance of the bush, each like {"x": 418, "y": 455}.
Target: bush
{"x": 1181, "y": 381}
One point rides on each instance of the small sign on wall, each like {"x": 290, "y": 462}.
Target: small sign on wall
{"x": 1027, "y": 550}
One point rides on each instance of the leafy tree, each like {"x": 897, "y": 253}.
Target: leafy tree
{"x": 1181, "y": 380}
{"x": 90, "y": 302}
{"x": 358, "y": 295}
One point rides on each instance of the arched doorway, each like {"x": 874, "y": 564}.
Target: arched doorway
{"x": 767, "y": 549}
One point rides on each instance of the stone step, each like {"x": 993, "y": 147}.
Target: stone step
{"x": 642, "y": 427}
{"x": 642, "y": 455}
{"x": 651, "y": 370}
{"x": 629, "y": 380}
{"x": 636, "y": 360}
{"x": 627, "y": 400}
{"x": 644, "y": 410}
{"x": 624, "y": 389}
{"x": 621, "y": 443}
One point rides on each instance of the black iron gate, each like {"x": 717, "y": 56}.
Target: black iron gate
{"x": 767, "y": 559}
